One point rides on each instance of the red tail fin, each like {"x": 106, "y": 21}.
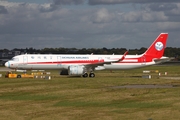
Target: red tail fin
{"x": 156, "y": 50}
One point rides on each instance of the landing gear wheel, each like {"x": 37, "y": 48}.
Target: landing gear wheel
{"x": 18, "y": 76}
{"x": 85, "y": 75}
{"x": 91, "y": 75}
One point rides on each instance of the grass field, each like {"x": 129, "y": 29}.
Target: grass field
{"x": 75, "y": 98}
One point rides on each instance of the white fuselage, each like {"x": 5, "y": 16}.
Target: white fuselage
{"x": 48, "y": 61}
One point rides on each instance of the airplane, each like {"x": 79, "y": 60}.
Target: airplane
{"x": 81, "y": 65}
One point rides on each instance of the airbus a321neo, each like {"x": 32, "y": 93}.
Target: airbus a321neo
{"x": 84, "y": 65}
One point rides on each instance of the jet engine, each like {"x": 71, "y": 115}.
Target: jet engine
{"x": 75, "y": 70}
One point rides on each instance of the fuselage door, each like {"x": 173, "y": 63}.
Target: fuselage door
{"x": 59, "y": 63}
{"x": 24, "y": 64}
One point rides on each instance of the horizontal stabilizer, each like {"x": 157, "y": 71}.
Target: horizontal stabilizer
{"x": 162, "y": 60}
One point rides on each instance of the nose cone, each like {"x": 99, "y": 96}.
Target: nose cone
{"x": 7, "y": 64}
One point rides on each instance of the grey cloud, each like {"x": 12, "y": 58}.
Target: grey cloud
{"x": 170, "y": 10}
{"x": 52, "y": 7}
{"x": 144, "y": 16}
{"x": 168, "y": 26}
{"x": 174, "y": 13}
{"x": 162, "y": 6}
{"x": 57, "y": 4}
{"x": 154, "y": 12}
{"x": 106, "y": 2}
{"x": 3, "y": 10}
{"x": 67, "y": 2}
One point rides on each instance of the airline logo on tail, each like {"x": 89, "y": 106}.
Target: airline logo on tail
{"x": 159, "y": 46}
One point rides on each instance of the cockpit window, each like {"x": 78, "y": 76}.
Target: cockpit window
{"x": 15, "y": 59}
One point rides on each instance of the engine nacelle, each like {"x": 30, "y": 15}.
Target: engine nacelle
{"x": 75, "y": 70}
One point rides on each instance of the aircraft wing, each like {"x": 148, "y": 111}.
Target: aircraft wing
{"x": 106, "y": 61}
{"x": 109, "y": 61}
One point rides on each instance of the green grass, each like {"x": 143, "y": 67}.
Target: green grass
{"x": 74, "y": 98}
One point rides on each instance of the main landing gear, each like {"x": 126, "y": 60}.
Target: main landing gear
{"x": 90, "y": 75}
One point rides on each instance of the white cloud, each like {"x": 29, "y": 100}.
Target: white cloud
{"x": 103, "y": 16}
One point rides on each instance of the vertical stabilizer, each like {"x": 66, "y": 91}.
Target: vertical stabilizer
{"x": 156, "y": 50}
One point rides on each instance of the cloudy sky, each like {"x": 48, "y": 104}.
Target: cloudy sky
{"x": 87, "y": 23}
